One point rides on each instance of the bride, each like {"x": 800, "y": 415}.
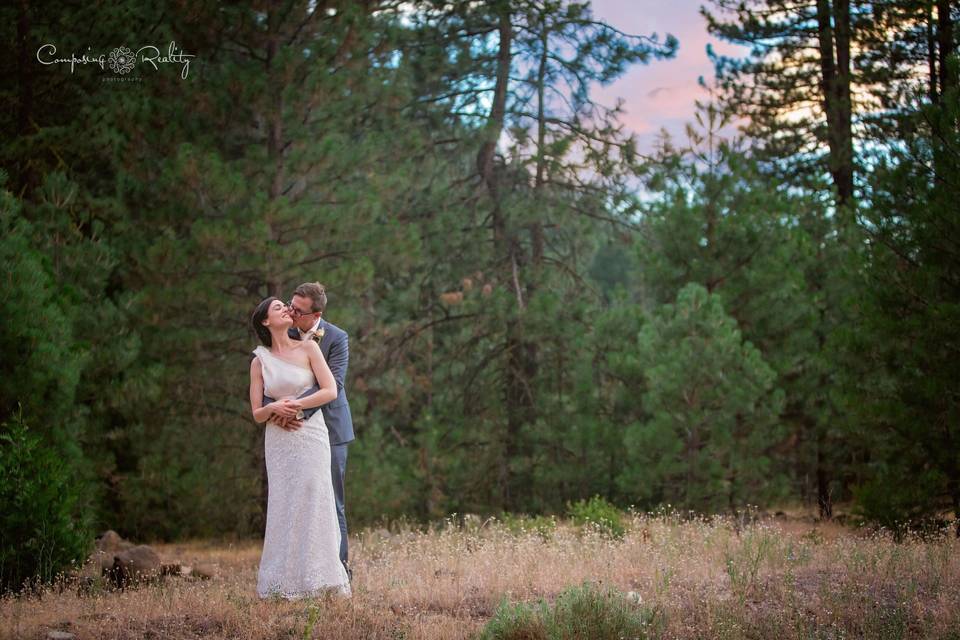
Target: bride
{"x": 301, "y": 546}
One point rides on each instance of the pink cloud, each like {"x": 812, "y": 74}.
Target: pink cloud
{"x": 660, "y": 94}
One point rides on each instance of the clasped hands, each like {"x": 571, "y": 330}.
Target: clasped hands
{"x": 287, "y": 413}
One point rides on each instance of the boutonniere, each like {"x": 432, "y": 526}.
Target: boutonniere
{"x": 317, "y": 335}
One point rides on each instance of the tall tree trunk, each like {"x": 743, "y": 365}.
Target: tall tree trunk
{"x": 824, "y": 495}
{"x": 844, "y": 99}
{"x": 505, "y": 250}
{"x": 275, "y": 164}
{"x": 948, "y": 81}
{"x": 818, "y": 421}
{"x": 498, "y": 110}
{"x": 536, "y": 227}
{"x": 25, "y": 77}
{"x": 932, "y": 77}
{"x": 833, "y": 36}
{"x": 541, "y": 101}
{"x": 945, "y": 45}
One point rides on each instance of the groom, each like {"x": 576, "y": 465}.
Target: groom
{"x": 307, "y": 307}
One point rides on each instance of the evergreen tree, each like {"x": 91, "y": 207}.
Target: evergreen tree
{"x": 502, "y": 313}
{"x": 539, "y": 196}
{"x": 902, "y": 359}
{"x": 796, "y": 86}
{"x": 713, "y": 411}
{"x": 292, "y": 164}
{"x": 715, "y": 219}
{"x": 906, "y": 47}
{"x": 63, "y": 128}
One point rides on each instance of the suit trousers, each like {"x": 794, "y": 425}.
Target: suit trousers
{"x": 338, "y": 469}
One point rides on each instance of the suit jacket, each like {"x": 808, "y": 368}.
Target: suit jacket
{"x": 336, "y": 351}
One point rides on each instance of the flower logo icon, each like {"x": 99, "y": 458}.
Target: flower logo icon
{"x": 121, "y": 60}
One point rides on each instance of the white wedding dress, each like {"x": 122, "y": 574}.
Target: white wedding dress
{"x": 301, "y": 547}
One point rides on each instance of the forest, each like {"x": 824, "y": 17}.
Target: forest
{"x": 761, "y": 312}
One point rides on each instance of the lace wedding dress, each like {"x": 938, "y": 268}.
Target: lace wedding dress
{"x": 301, "y": 548}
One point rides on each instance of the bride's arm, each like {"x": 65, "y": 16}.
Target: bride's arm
{"x": 328, "y": 386}
{"x": 261, "y": 412}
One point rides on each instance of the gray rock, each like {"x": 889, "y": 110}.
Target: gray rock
{"x": 97, "y": 564}
{"x": 204, "y": 571}
{"x": 135, "y": 564}
{"x": 111, "y": 542}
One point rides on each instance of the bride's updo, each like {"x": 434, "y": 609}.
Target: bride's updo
{"x": 256, "y": 320}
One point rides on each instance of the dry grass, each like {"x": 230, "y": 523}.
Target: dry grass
{"x": 700, "y": 579}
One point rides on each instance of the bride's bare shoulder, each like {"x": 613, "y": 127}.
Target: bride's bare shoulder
{"x": 310, "y": 347}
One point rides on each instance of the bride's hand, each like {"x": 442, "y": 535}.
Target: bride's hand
{"x": 286, "y": 408}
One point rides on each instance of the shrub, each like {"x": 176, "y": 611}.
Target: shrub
{"x": 583, "y": 612}
{"x": 515, "y": 622}
{"x": 900, "y": 507}
{"x": 520, "y": 524}
{"x": 40, "y": 534}
{"x": 599, "y": 513}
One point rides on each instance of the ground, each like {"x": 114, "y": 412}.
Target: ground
{"x": 784, "y": 577}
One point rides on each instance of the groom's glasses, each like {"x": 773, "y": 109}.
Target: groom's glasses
{"x": 297, "y": 312}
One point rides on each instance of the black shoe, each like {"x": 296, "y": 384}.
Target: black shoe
{"x": 349, "y": 571}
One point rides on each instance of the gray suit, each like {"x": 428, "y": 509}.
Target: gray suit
{"x": 336, "y": 351}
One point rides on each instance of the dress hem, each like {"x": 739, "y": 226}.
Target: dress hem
{"x": 341, "y": 590}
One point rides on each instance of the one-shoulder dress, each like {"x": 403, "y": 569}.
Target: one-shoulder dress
{"x": 301, "y": 546}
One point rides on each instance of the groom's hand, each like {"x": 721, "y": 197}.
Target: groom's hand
{"x": 289, "y": 424}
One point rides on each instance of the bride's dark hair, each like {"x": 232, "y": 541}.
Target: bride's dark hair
{"x": 259, "y": 315}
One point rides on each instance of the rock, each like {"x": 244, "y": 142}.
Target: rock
{"x": 204, "y": 571}
{"x": 95, "y": 565}
{"x": 111, "y": 543}
{"x": 100, "y": 561}
{"x": 135, "y": 564}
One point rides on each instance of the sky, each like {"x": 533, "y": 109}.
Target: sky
{"x": 661, "y": 94}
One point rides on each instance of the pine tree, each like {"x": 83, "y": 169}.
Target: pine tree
{"x": 289, "y": 161}
{"x": 538, "y": 195}
{"x": 796, "y": 86}
{"x": 906, "y": 47}
{"x": 500, "y": 318}
{"x": 713, "y": 411}
{"x": 715, "y": 219}
{"x": 902, "y": 358}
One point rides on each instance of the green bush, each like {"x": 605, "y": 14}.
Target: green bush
{"x": 900, "y": 507}
{"x": 584, "y": 612}
{"x": 515, "y": 622}
{"x": 599, "y": 513}
{"x": 40, "y": 535}
{"x": 520, "y": 524}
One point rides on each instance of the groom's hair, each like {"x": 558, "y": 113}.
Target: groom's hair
{"x": 317, "y": 294}
{"x": 256, "y": 320}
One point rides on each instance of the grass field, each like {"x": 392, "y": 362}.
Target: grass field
{"x": 775, "y": 578}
